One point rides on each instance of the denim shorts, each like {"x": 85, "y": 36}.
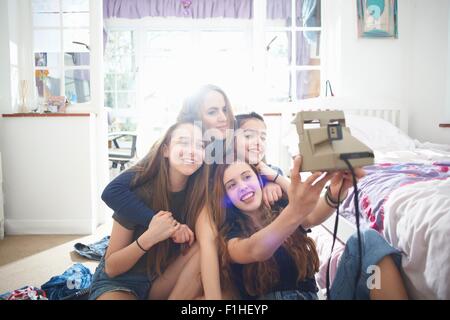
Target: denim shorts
{"x": 374, "y": 248}
{"x": 137, "y": 284}
{"x": 290, "y": 295}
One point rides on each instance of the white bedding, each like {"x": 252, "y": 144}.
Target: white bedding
{"x": 421, "y": 229}
{"x": 416, "y": 155}
{"x": 417, "y": 217}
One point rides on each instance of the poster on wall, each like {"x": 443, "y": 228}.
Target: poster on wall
{"x": 377, "y": 19}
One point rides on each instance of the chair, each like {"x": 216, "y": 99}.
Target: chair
{"x": 119, "y": 149}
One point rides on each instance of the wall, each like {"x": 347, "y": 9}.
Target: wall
{"x": 410, "y": 70}
{"x": 5, "y": 83}
{"x": 429, "y": 79}
{"x": 448, "y": 71}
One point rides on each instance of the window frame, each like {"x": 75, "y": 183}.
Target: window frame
{"x": 256, "y": 29}
{"x": 95, "y": 67}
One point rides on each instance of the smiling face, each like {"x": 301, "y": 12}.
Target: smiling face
{"x": 185, "y": 150}
{"x": 242, "y": 187}
{"x": 215, "y": 115}
{"x": 251, "y": 141}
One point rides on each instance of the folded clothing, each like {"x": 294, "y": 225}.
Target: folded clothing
{"x": 73, "y": 280}
{"x": 94, "y": 251}
{"x": 25, "y": 293}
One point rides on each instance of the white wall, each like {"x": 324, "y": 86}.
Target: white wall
{"x": 5, "y": 74}
{"x": 448, "y": 71}
{"x": 410, "y": 70}
{"x": 429, "y": 71}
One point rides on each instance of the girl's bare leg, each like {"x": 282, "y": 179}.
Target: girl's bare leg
{"x": 164, "y": 285}
{"x": 189, "y": 283}
{"x": 391, "y": 285}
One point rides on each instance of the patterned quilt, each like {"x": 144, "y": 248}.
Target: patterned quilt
{"x": 381, "y": 179}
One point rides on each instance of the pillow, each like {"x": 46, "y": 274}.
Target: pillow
{"x": 378, "y": 134}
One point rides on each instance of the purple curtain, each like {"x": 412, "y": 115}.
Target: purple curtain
{"x": 197, "y": 9}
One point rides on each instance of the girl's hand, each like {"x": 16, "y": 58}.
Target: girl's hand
{"x": 265, "y": 170}
{"x": 183, "y": 234}
{"x": 161, "y": 227}
{"x": 271, "y": 193}
{"x": 303, "y": 196}
{"x": 345, "y": 178}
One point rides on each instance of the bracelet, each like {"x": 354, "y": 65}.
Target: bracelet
{"x": 328, "y": 193}
{"x": 140, "y": 246}
{"x": 276, "y": 177}
{"x": 330, "y": 202}
{"x": 331, "y": 205}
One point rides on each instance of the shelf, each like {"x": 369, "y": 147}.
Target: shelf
{"x": 44, "y": 115}
{"x": 444, "y": 125}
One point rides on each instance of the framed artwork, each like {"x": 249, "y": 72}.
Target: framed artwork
{"x": 377, "y": 18}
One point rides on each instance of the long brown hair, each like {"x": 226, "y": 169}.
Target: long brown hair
{"x": 153, "y": 186}
{"x": 259, "y": 277}
{"x": 192, "y": 105}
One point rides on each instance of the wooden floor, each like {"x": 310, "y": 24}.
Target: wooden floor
{"x": 33, "y": 260}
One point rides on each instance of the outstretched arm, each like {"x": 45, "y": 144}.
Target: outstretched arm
{"x": 262, "y": 245}
{"x": 323, "y": 211}
{"x": 206, "y": 234}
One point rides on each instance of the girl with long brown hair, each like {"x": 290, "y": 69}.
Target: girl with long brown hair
{"x": 170, "y": 181}
{"x": 210, "y": 107}
{"x": 265, "y": 252}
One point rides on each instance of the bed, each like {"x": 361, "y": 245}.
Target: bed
{"x": 405, "y": 195}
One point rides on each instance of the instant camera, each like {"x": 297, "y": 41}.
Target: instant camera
{"x": 326, "y": 148}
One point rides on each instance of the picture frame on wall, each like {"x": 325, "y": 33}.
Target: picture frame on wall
{"x": 377, "y": 19}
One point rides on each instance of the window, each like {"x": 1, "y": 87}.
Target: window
{"x": 153, "y": 63}
{"x": 150, "y": 67}
{"x": 61, "y": 40}
{"x": 120, "y": 78}
{"x": 293, "y": 64}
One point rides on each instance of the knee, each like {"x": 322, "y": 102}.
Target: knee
{"x": 369, "y": 238}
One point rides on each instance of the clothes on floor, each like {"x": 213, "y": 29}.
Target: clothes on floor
{"x": 75, "y": 278}
{"x": 25, "y": 293}
{"x": 94, "y": 251}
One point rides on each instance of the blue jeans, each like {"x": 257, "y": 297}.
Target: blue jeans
{"x": 76, "y": 278}
{"x": 374, "y": 248}
{"x": 134, "y": 283}
{"x": 93, "y": 251}
{"x": 290, "y": 295}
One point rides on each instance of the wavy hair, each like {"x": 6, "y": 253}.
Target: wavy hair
{"x": 153, "y": 186}
{"x": 259, "y": 277}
